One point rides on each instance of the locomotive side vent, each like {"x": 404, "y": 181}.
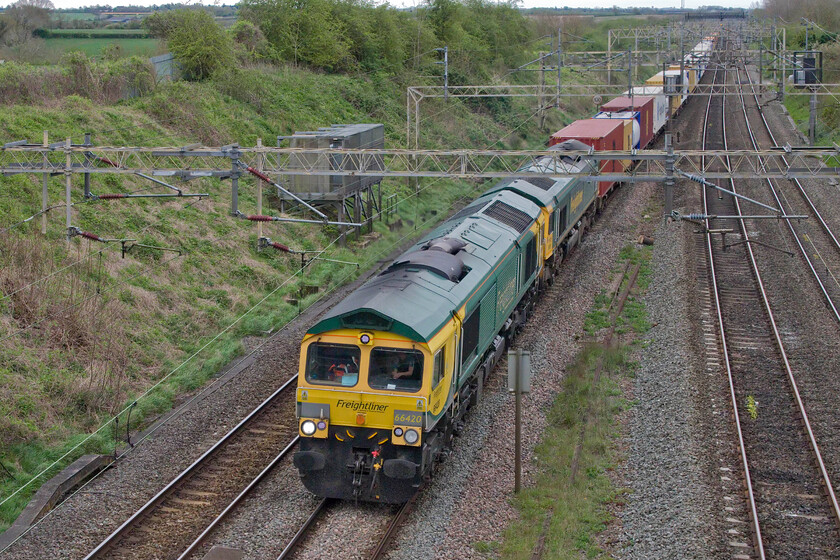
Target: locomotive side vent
{"x": 507, "y": 214}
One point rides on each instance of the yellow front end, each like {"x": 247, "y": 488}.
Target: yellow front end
{"x": 364, "y": 393}
{"x": 363, "y": 405}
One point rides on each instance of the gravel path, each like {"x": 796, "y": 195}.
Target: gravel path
{"x": 673, "y": 510}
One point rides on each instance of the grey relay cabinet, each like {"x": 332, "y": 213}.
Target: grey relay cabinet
{"x": 358, "y": 197}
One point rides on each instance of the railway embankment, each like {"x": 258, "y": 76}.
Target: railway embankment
{"x": 87, "y": 330}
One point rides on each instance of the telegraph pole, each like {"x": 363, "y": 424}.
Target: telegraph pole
{"x": 541, "y": 98}
{"x": 445, "y": 51}
{"x": 45, "y": 197}
{"x": 669, "y": 173}
{"x": 559, "y": 62}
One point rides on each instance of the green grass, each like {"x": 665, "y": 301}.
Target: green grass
{"x": 164, "y": 311}
{"x": 99, "y": 33}
{"x": 573, "y": 511}
{"x": 95, "y": 47}
{"x": 570, "y": 512}
{"x": 75, "y": 16}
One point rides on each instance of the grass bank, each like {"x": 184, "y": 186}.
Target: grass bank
{"x": 567, "y": 506}
{"x": 85, "y": 332}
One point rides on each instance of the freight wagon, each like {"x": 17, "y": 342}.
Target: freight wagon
{"x": 602, "y": 135}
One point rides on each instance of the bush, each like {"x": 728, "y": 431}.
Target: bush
{"x": 350, "y": 34}
{"x": 197, "y": 41}
{"x": 132, "y": 77}
{"x": 77, "y": 75}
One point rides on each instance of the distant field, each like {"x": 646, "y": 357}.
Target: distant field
{"x": 75, "y": 16}
{"x": 97, "y": 33}
{"x": 94, "y": 47}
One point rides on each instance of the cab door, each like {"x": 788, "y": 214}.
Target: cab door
{"x": 443, "y": 377}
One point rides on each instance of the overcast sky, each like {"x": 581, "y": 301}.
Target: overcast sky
{"x": 526, "y": 3}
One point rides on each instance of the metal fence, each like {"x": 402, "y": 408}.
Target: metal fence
{"x": 166, "y": 67}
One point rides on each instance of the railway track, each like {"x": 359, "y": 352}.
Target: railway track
{"x": 814, "y": 238}
{"x": 320, "y": 515}
{"x": 180, "y": 516}
{"x": 790, "y": 516}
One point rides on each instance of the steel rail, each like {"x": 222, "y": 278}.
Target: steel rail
{"x": 393, "y": 526}
{"x": 169, "y": 488}
{"x": 319, "y": 510}
{"x": 724, "y": 346}
{"x": 796, "y": 237}
{"x": 791, "y": 378}
{"x": 235, "y": 502}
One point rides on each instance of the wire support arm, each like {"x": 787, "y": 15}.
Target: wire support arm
{"x": 704, "y": 182}
{"x": 74, "y": 231}
{"x": 267, "y": 179}
{"x": 266, "y": 242}
{"x": 107, "y": 161}
{"x": 116, "y": 196}
{"x": 699, "y": 217}
{"x": 265, "y": 218}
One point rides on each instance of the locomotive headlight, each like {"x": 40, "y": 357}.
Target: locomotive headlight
{"x": 308, "y": 428}
{"x": 398, "y": 432}
{"x": 411, "y": 436}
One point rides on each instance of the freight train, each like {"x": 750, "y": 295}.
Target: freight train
{"x": 387, "y": 376}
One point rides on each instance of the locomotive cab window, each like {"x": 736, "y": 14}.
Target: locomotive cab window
{"x": 437, "y": 371}
{"x": 332, "y": 364}
{"x": 396, "y": 369}
{"x": 530, "y": 258}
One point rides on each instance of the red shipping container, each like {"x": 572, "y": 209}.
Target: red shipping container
{"x": 601, "y": 134}
{"x": 641, "y": 103}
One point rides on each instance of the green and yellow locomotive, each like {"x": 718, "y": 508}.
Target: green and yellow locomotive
{"x": 387, "y": 376}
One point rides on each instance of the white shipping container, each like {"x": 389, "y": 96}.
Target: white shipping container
{"x": 625, "y": 115}
{"x": 660, "y": 105}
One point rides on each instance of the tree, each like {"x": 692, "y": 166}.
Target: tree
{"x": 23, "y": 17}
{"x": 301, "y": 30}
{"x": 195, "y": 39}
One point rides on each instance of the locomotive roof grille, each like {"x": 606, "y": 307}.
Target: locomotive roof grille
{"x": 366, "y": 320}
{"x": 543, "y": 183}
{"x": 465, "y": 212}
{"x": 507, "y": 214}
